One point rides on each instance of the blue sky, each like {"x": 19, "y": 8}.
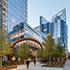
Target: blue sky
{"x": 47, "y": 8}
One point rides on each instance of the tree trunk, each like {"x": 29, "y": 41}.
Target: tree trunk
{"x": 49, "y": 60}
{"x": 58, "y": 59}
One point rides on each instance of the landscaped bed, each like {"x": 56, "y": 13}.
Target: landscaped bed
{"x": 8, "y": 67}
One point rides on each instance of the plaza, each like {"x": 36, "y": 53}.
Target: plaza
{"x": 19, "y": 41}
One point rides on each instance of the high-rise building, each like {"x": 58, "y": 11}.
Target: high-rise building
{"x": 60, "y": 27}
{"x": 44, "y": 25}
{"x": 17, "y": 12}
{"x": 57, "y": 27}
{"x": 37, "y": 28}
{"x": 3, "y": 15}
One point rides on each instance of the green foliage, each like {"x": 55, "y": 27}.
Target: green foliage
{"x": 51, "y": 49}
{"x": 5, "y": 46}
{"x": 59, "y": 51}
{"x": 5, "y": 51}
{"x": 40, "y": 53}
{"x": 22, "y": 51}
{"x": 49, "y": 45}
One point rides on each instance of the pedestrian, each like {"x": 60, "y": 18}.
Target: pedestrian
{"x": 34, "y": 60}
{"x": 27, "y": 62}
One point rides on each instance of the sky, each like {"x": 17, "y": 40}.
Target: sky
{"x": 47, "y": 8}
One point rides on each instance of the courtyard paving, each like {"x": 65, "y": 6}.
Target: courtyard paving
{"x": 33, "y": 67}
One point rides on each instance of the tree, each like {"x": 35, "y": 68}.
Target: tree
{"x": 40, "y": 53}
{"x": 52, "y": 50}
{"x": 1, "y": 45}
{"x": 5, "y": 46}
{"x": 22, "y": 51}
{"x": 49, "y": 45}
{"x": 59, "y": 52}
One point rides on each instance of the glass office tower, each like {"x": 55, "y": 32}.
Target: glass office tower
{"x": 17, "y": 12}
{"x": 60, "y": 27}
{"x": 57, "y": 27}
{"x": 44, "y": 25}
{"x": 3, "y": 15}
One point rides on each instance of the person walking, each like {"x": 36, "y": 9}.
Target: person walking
{"x": 27, "y": 62}
{"x": 34, "y": 60}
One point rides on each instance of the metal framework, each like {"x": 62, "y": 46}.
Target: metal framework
{"x": 29, "y": 41}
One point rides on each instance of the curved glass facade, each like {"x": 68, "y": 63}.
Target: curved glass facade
{"x": 57, "y": 27}
{"x": 17, "y": 12}
{"x": 23, "y": 30}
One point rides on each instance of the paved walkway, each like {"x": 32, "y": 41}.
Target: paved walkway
{"x": 67, "y": 65}
{"x": 32, "y": 67}
{"x": 13, "y": 69}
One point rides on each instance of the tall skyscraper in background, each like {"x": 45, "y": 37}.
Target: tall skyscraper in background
{"x": 17, "y": 12}
{"x": 60, "y": 27}
{"x": 44, "y": 25}
{"x": 57, "y": 27}
{"x": 3, "y": 15}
